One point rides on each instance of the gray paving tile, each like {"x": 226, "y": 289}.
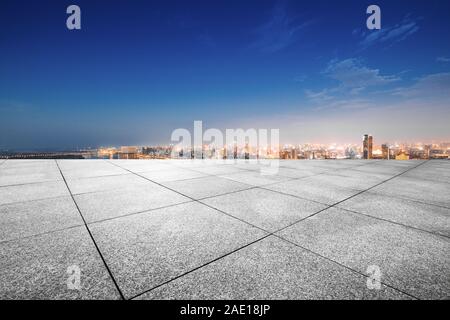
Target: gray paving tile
{"x": 173, "y": 174}
{"x": 312, "y": 163}
{"x": 148, "y": 249}
{"x": 28, "y": 192}
{"x": 348, "y": 181}
{"x": 303, "y": 165}
{"x": 29, "y": 218}
{"x": 12, "y": 178}
{"x": 218, "y": 169}
{"x": 142, "y": 165}
{"x": 104, "y": 183}
{"x": 434, "y": 173}
{"x": 206, "y": 187}
{"x": 436, "y": 164}
{"x": 297, "y": 173}
{"x": 29, "y": 173}
{"x": 399, "y": 164}
{"x": 76, "y": 164}
{"x": 250, "y": 165}
{"x": 255, "y": 178}
{"x": 263, "y": 167}
{"x": 194, "y": 163}
{"x": 372, "y": 176}
{"x": 390, "y": 170}
{"x": 333, "y": 165}
{"x": 418, "y": 215}
{"x": 16, "y": 163}
{"x": 413, "y": 261}
{"x": 432, "y": 192}
{"x": 271, "y": 269}
{"x": 266, "y": 209}
{"x": 75, "y": 169}
{"x": 129, "y": 199}
{"x": 314, "y": 190}
{"x": 37, "y": 267}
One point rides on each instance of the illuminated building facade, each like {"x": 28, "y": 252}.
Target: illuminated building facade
{"x": 385, "y": 151}
{"x": 367, "y": 146}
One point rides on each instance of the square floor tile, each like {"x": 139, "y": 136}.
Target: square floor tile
{"x": 314, "y": 190}
{"x": 30, "y": 163}
{"x": 271, "y": 269}
{"x": 206, "y": 187}
{"x": 35, "y": 191}
{"x": 29, "y": 173}
{"x": 29, "y": 218}
{"x": 130, "y": 199}
{"x": 431, "y": 192}
{"x": 138, "y": 166}
{"x": 40, "y": 268}
{"x": 372, "y": 177}
{"x": 438, "y": 173}
{"x": 345, "y": 181}
{"x": 266, "y": 209}
{"x": 173, "y": 174}
{"x": 74, "y": 169}
{"x": 407, "y": 212}
{"x": 218, "y": 169}
{"x": 295, "y": 173}
{"x": 104, "y": 183}
{"x": 413, "y": 261}
{"x": 255, "y": 178}
{"x": 383, "y": 169}
{"x": 145, "y": 250}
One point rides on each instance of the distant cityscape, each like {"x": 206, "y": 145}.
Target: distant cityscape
{"x": 366, "y": 150}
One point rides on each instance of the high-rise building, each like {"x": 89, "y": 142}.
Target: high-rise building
{"x": 427, "y": 150}
{"x": 385, "y": 151}
{"x": 370, "y": 147}
{"x": 294, "y": 154}
{"x": 367, "y": 146}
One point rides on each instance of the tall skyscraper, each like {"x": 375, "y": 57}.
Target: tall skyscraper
{"x": 385, "y": 151}
{"x": 367, "y": 146}
{"x": 427, "y": 150}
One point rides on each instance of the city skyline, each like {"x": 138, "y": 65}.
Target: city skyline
{"x": 133, "y": 74}
{"x": 369, "y": 149}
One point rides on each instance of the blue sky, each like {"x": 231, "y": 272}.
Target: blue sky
{"x": 137, "y": 70}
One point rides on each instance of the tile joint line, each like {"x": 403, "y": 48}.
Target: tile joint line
{"x": 90, "y": 234}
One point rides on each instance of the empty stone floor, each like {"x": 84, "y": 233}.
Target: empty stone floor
{"x": 207, "y": 229}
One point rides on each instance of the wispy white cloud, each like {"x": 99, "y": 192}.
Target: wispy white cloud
{"x": 432, "y": 86}
{"x": 351, "y": 73}
{"x": 388, "y": 34}
{"x": 443, "y": 59}
{"x": 353, "y": 78}
{"x": 280, "y": 32}
{"x": 345, "y": 104}
{"x": 327, "y": 98}
{"x": 319, "y": 96}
